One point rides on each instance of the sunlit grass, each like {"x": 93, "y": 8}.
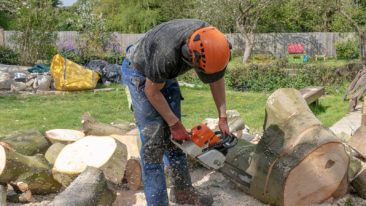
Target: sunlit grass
{"x": 42, "y": 113}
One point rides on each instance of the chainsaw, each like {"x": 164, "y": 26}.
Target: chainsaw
{"x": 207, "y": 146}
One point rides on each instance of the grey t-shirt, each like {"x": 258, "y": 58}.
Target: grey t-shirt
{"x": 157, "y": 55}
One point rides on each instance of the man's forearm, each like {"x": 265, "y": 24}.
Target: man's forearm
{"x": 156, "y": 98}
{"x": 218, "y": 94}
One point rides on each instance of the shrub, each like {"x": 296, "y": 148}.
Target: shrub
{"x": 348, "y": 49}
{"x": 8, "y": 56}
{"x": 280, "y": 74}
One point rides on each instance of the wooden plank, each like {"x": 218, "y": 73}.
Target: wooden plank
{"x": 312, "y": 94}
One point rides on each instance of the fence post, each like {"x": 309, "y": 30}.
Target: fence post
{"x": 2, "y": 37}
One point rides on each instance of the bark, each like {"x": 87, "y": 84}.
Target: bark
{"x": 133, "y": 172}
{"x": 105, "y": 153}
{"x": 90, "y": 188}
{"x": 359, "y": 184}
{"x": 295, "y": 150}
{"x": 294, "y": 154}
{"x": 53, "y": 152}
{"x": 3, "y": 191}
{"x": 93, "y": 127}
{"x": 28, "y": 143}
{"x": 32, "y": 170}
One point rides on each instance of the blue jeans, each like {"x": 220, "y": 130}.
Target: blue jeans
{"x": 155, "y": 137}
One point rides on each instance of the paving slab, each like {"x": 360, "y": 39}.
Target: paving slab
{"x": 349, "y": 123}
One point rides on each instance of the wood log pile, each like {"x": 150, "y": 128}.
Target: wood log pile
{"x": 85, "y": 167}
{"x": 17, "y": 79}
{"x": 297, "y": 160}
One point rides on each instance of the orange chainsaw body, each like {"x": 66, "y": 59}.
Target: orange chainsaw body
{"x": 201, "y": 135}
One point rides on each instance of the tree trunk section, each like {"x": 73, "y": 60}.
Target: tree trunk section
{"x": 247, "y": 49}
{"x": 295, "y": 153}
{"x": 90, "y": 188}
{"x": 93, "y": 127}
{"x": 64, "y": 136}
{"x": 53, "y": 152}
{"x": 105, "y": 153}
{"x": 28, "y": 143}
{"x": 33, "y": 170}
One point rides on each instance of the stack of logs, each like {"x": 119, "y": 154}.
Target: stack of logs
{"x": 91, "y": 164}
{"x": 17, "y": 79}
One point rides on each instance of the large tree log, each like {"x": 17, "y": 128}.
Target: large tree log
{"x": 3, "y": 191}
{"x": 90, "y": 188}
{"x": 93, "y": 127}
{"x": 298, "y": 161}
{"x": 28, "y": 143}
{"x": 33, "y": 170}
{"x": 105, "y": 153}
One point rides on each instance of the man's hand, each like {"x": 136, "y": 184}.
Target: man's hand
{"x": 179, "y": 132}
{"x": 224, "y": 127}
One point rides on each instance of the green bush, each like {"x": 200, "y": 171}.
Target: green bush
{"x": 8, "y": 56}
{"x": 348, "y": 49}
{"x": 280, "y": 74}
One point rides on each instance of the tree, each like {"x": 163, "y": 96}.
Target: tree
{"x": 244, "y": 14}
{"x": 35, "y": 35}
{"x": 358, "y": 85}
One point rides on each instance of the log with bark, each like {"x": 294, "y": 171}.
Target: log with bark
{"x": 293, "y": 157}
{"x": 28, "y": 143}
{"x": 359, "y": 183}
{"x": 358, "y": 140}
{"x": 105, "y": 153}
{"x": 52, "y": 152}
{"x": 90, "y": 188}
{"x": 64, "y": 136}
{"x": 32, "y": 170}
{"x": 133, "y": 172}
{"x": 93, "y": 127}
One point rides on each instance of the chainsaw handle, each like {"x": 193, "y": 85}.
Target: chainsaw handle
{"x": 233, "y": 140}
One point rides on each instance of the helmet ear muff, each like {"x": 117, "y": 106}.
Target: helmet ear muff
{"x": 186, "y": 52}
{"x": 188, "y": 55}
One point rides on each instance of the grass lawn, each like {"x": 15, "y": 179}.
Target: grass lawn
{"x": 42, "y": 113}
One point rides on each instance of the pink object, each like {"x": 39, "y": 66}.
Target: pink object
{"x": 295, "y": 48}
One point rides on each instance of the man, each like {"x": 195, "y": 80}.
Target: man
{"x": 149, "y": 70}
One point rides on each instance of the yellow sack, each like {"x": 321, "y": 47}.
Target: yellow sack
{"x": 69, "y": 76}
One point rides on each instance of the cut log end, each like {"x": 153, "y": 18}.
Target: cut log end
{"x": 93, "y": 152}
{"x": 324, "y": 168}
{"x": 105, "y": 153}
{"x": 133, "y": 174}
{"x": 64, "y": 135}
{"x": 2, "y": 159}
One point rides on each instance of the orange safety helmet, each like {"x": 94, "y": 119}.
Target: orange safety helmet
{"x": 210, "y": 50}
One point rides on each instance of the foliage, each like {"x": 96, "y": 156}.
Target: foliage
{"x": 93, "y": 41}
{"x": 35, "y": 37}
{"x": 8, "y": 56}
{"x": 348, "y": 49}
